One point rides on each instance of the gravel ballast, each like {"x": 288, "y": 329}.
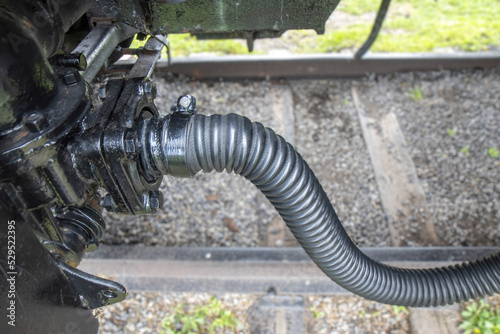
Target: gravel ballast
{"x": 142, "y": 312}
{"x": 449, "y": 130}
{"x": 451, "y": 123}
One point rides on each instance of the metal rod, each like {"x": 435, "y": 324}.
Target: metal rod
{"x": 321, "y": 65}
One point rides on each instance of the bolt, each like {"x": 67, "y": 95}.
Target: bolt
{"x": 149, "y": 89}
{"x": 71, "y": 77}
{"x": 35, "y": 122}
{"x": 84, "y": 301}
{"x": 153, "y": 200}
{"x": 76, "y": 60}
{"x": 186, "y": 104}
{"x": 271, "y": 291}
{"x": 102, "y": 92}
{"x": 129, "y": 143}
{"x": 153, "y": 44}
{"x": 107, "y": 203}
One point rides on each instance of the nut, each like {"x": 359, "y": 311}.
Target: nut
{"x": 149, "y": 89}
{"x": 129, "y": 143}
{"x": 153, "y": 200}
{"x": 102, "y": 93}
{"x": 71, "y": 77}
{"x": 107, "y": 203}
{"x": 35, "y": 122}
{"x": 186, "y": 104}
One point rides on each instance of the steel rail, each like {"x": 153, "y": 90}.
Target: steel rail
{"x": 320, "y": 66}
{"x": 247, "y": 270}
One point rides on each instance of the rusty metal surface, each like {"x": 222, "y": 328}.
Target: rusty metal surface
{"x": 318, "y": 66}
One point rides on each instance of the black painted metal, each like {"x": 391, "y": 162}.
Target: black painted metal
{"x": 42, "y": 108}
{"x": 94, "y": 291}
{"x": 107, "y": 151}
{"x": 81, "y": 231}
{"x": 44, "y": 300}
{"x": 31, "y": 32}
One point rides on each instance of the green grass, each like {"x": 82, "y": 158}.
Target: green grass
{"x": 207, "y": 319}
{"x": 399, "y": 309}
{"x": 185, "y": 44}
{"x": 480, "y": 318}
{"x": 422, "y": 26}
{"x": 416, "y": 94}
{"x": 410, "y": 26}
{"x": 358, "y": 7}
{"x": 493, "y": 152}
{"x": 316, "y": 313}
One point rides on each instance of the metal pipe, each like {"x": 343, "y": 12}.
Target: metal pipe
{"x": 98, "y": 45}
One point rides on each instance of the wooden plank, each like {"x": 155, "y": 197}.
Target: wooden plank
{"x": 280, "y": 101}
{"x": 443, "y": 320}
{"x": 401, "y": 192}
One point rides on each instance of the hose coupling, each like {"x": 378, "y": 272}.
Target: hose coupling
{"x": 164, "y": 140}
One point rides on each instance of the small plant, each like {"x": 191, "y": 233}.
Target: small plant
{"x": 316, "y": 313}
{"x": 399, "y": 309}
{"x": 451, "y": 132}
{"x": 493, "y": 152}
{"x": 480, "y": 318}
{"x": 465, "y": 150}
{"x": 207, "y": 319}
{"x": 416, "y": 94}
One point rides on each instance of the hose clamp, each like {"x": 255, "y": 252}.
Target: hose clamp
{"x": 175, "y": 144}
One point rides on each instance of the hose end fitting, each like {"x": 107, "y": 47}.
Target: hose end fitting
{"x": 175, "y": 145}
{"x": 164, "y": 140}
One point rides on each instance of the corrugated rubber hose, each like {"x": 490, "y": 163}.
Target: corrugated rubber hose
{"x": 234, "y": 143}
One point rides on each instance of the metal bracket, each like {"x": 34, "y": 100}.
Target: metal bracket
{"x": 149, "y": 55}
{"x": 98, "y": 45}
{"x": 94, "y": 291}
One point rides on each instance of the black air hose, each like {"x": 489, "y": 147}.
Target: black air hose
{"x": 234, "y": 143}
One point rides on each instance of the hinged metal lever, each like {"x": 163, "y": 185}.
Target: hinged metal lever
{"x": 94, "y": 291}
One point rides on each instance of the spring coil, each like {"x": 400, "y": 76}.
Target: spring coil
{"x": 234, "y": 143}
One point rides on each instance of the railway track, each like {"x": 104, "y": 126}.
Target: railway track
{"x": 320, "y": 66}
{"x": 248, "y": 270}
{"x": 288, "y": 271}
{"x": 278, "y": 280}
